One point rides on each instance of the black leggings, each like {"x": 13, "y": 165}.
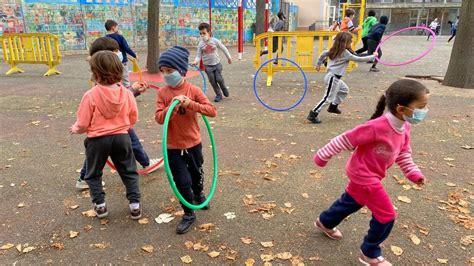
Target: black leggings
{"x": 452, "y": 35}
{"x": 364, "y": 48}
{"x": 372, "y": 45}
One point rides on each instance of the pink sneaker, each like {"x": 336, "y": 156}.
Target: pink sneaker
{"x": 331, "y": 233}
{"x": 379, "y": 261}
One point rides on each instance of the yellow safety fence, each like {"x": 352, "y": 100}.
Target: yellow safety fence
{"x": 302, "y": 47}
{"x": 31, "y": 48}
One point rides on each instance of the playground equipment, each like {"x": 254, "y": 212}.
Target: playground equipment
{"x": 31, "y": 48}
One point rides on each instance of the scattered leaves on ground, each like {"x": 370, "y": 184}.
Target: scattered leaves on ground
{"x": 143, "y": 221}
{"x": 99, "y": 245}
{"x": 58, "y": 246}
{"x": 213, "y": 254}
{"x": 207, "y": 227}
{"x": 148, "y": 248}
{"x": 415, "y": 239}
{"x": 249, "y": 262}
{"x": 7, "y": 246}
{"x": 442, "y": 261}
{"x": 396, "y": 250}
{"x": 267, "y": 244}
{"x": 73, "y": 234}
{"x": 89, "y": 213}
{"x": 404, "y": 199}
{"x": 164, "y": 218}
{"x": 186, "y": 259}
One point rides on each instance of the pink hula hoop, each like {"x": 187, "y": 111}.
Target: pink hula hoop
{"x": 433, "y": 43}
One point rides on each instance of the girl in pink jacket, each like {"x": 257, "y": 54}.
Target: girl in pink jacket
{"x": 376, "y": 145}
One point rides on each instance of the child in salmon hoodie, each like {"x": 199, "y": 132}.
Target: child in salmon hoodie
{"x": 105, "y": 114}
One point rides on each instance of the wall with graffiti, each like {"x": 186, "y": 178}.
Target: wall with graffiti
{"x": 79, "y": 22}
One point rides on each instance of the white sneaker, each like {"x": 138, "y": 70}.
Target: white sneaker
{"x": 153, "y": 166}
{"x": 82, "y": 184}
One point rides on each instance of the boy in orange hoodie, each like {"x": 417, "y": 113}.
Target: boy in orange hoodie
{"x": 106, "y": 113}
{"x": 184, "y": 137}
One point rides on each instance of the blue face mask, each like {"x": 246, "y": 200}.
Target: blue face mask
{"x": 173, "y": 79}
{"x": 417, "y": 116}
{"x": 120, "y": 56}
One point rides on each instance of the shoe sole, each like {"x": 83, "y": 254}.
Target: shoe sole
{"x": 322, "y": 230}
{"x": 136, "y": 217}
{"x": 155, "y": 167}
{"x": 103, "y": 215}
{"x": 187, "y": 230}
{"x": 337, "y": 113}
{"x": 364, "y": 262}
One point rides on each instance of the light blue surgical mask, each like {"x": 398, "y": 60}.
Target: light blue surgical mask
{"x": 173, "y": 79}
{"x": 120, "y": 55}
{"x": 417, "y": 116}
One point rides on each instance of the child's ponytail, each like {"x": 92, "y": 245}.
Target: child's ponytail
{"x": 380, "y": 108}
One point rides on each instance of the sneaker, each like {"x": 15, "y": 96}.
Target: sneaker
{"x": 101, "y": 212}
{"x": 82, "y": 184}
{"x": 379, "y": 261}
{"x": 200, "y": 199}
{"x": 331, "y": 233}
{"x": 313, "y": 117}
{"x": 374, "y": 69}
{"x": 153, "y": 166}
{"x": 136, "y": 214}
{"x": 225, "y": 91}
{"x": 218, "y": 98}
{"x": 333, "y": 109}
{"x": 185, "y": 225}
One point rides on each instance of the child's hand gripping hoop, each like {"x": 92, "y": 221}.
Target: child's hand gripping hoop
{"x": 268, "y": 106}
{"x": 433, "y": 43}
{"x": 167, "y": 165}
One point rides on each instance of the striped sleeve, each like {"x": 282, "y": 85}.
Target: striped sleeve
{"x": 335, "y": 146}
{"x": 405, "y": 161}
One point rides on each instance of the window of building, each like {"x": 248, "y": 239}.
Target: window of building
{"x": 418, "y": 17}
{"x": 383, "y": 12}
{"x": 383, "y": 1}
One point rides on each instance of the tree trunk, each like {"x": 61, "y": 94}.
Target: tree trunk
{"x": 461, "y": 65}
{"x": 260, "y": 17}
{"x": 153, "y": 36}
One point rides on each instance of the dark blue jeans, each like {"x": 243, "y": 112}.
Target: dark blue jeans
{"x": 138, "y": 152}
{"x": 346, "y": 205}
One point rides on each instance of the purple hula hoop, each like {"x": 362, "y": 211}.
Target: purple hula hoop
{"x": 433, "y": 43}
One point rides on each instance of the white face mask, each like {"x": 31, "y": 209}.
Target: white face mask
{"x": 205, "y": 38}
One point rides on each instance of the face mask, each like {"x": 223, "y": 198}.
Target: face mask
{"x": 417, "y": 116}
{"x": 120, "y": 56}
{"x": 205, "y": 38}
{"x": 173, "y": 79}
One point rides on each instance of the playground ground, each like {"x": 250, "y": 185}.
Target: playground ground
{"x": 267, "y": 177}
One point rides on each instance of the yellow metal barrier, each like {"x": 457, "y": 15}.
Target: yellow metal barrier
{"x": 31, "y": 48}
{"x": 308, "y": 45}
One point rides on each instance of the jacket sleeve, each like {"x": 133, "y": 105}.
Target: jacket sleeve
{"x": 133, "y": 115}
{"x": 223, "y": 48}
{"x": 201, "y": 104}
{"x": 127, "y": 48}
{"x": 405, "y": 161}
{"x": 198, "y": 53}
{"x": 322, "y": 57}
{"x": 84, "y": 115}
{"x": 161, "y": 109}
{"x": 347, "y": 141}
{"x": 350, "y": 56}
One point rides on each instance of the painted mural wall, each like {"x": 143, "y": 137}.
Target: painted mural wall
{"x": 79, "y": 22}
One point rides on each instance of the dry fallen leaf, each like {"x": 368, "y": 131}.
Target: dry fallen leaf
{"x": 73, "y": 207}
{"x": 99, "y": 245}
{"x": 284, "y": 256}
{"x": 415, "y": 239}
{"x": 277, "y": 155}
{"x": 28, "y": 249}
{"x": 207, "y": 227}
{"x": 186, "y": 259}
{"x": 89, "y": 213}
{"x": 442, "y": 261}
{"x": 189, "y": 244}
{"x": 200, "y": 247}
{"x": 288, "y": 204}
{"x": 21, "y": 205}
{"x": 249, "y": 262}
{"x": 87, "y": 227}
{"x": 450, "y": 184}
{"x": 246, "y": 240}
{"x": 148, "y": 248}
{"x": 396, "y": 250}
{"x": 73, "y": 234}
{"x": 316, "y": 258}
{"x": 267, "y": 215}
{"x": 404, "y": 199}
{"x": 467, "y": 240}
{"x": 7, "y": 246}
{"x": 164, "y": 218}
{"x": 58, "y": 246}
{"x": 305, "y": 195}
{"x": 267, "y": 244}
{"x": 266, "y": 257}
{"x": 18, "y": 247}
{"x": 143, "y": 221}
{"x": 213, "y": 254}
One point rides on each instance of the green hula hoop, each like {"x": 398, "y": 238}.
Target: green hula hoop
{"x": 167, "y": 165}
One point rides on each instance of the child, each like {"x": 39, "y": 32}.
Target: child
{"x": 434, "y": 27}
{"x": 454, "y": 27}
{"x": 346, "y": 24}
{"x": 377, "y": 144}
{"x": 184, "y": 138}
{"x": 336, "y": 90}
{"x": 369, "y": 22}
{"x": 150, "y": 165}
{"x": 374, "y": 38}
{"x": 207, "y": 50}
{"x": 106, "y": 113}
{"x": 112, "y": 31}
{"x": 278, "y": 24}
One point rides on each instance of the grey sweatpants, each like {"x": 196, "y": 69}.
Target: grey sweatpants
{"x": 214, "y": 74}
{"x": 125, "y": 80}
{"x": 336, "y": 92}
{"x": 119, "y": 148}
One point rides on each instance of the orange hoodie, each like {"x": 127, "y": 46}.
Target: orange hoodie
{"x": 106, "y": 111}
{"x": 183, "y": 129}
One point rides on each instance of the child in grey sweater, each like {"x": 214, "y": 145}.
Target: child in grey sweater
{"x": 207, "y": 51}
{"x": 336, "y": 90}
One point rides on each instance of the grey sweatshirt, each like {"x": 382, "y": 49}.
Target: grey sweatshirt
{"x": 208, "y": 52}
{"x": 338, "y": 66}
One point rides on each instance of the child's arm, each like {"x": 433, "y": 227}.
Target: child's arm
{"x": 322, "y": 57}
{"x": 161, "y": 109}
{"x": 224, "y": 49}
{"x": 127, "y": 48}
{"x": 352, "y": 57}
{"x": 405, "y": 162}
{"x": 84, "y": 116}
{"x": 198, "y": 55}
{"x": 201, "y": 104}
{"x": 351, "y": 27}
{"x": 133, "y": 115}
{"x": 347, "y": 141}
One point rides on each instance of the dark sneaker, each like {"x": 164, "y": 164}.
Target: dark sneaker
{"x": 374, "y": 69}
{"x": 200, "y": 199}
{"x": 225, "y": 91}
{"x": 136, "y": 214}
{"x": 101, "y": 212}
{"x": 218, "y": 98}
{"x": 185, "y": 225}
{"x": 333, "y": 109}
{"x": 313, "y": 117}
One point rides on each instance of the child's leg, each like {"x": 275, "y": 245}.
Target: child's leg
{"x": 341, "y": 93}
{"x": 195, "y": 160}
{"x": 181, "y": 176}
{"x": 220, "y": 80}
{"x": 339, "y": 210}
{"x": 125, "y": 80}
{"x": 380, "y": 56}
{"x": 378, "y": 232}
{"x": 364, "y": 46}
{"x": 97, "y": 152}
{"x": 122, "y": 155}
{"x": 212, "y": 79}
{"x": 138, "y": 151}
{"x": 332, "y": 83}
{"x": 83, "y": 170}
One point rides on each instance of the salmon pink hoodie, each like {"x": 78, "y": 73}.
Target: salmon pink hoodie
{"x": 106, "y": 111}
